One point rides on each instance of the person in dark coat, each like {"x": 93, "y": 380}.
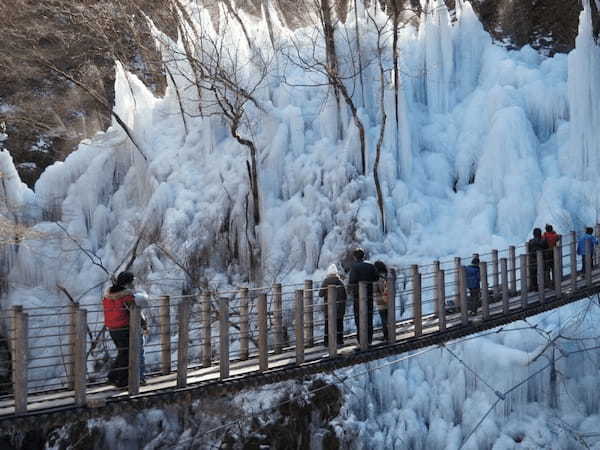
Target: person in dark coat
{"x": 333, "y": 279}
{"x": 537, "y": 243}
{"x": 473, "y": 284}
{"x": 362, "y": 271}
{"x": 381, "y": 296}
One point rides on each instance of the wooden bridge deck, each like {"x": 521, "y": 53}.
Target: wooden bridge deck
{"x": 101, "y": 399}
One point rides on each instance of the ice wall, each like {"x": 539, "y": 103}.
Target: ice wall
{"x": 489, "y": 143}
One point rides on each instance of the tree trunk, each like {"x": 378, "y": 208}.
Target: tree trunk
{"x": 332, "y": 65}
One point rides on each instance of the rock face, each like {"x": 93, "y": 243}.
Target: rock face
{"x": 46, "y": 115}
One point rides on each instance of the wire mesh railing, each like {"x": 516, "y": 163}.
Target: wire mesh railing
{"x": 65, "y": 352}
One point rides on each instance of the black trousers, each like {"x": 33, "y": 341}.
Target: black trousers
{"x": 340, "y": 312}
{"x": 383, "y": 316}
{"x": 583, "y": 263}
{"x": 474, "y": 299}
{"x": 119, "y": 372}
{"x": 369, "y": 319}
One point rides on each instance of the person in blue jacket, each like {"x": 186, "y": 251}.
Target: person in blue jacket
{"x": 582, "y": 244}
{"x": 473, "y": 283}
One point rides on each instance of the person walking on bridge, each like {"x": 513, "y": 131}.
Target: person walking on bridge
{"x": 362, "y": 270}
{"x": 552, "y": 239}
{"x": 537, "y": 243}
{"x": 473, "y": 284}
{"x": 333, "y": 279}
{"x": 582, "y": 246}
{"x": 116, "y": 304}
{"x": 381, "y": 296}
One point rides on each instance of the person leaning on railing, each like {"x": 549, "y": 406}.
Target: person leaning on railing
{"x": 116, "y": 304}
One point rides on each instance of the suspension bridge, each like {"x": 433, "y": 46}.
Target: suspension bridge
{"x": 222, "y": 342}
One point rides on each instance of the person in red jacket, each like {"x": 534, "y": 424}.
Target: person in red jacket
{"x": 116, "y": 302}
{"x": 553, "y": 239}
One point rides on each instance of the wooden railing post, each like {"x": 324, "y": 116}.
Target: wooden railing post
{"x": 165, "y": 334}
{"x": 391, "y": 307}
{"x": 183, "y": 337}
{"x": 440, "y": 290}
{"x": 332, "y": 320}
{"x": 363, "y": 328}
{"x": 206, "y": 333}
{"x": 79, "y": 357}
{"x": 278, "y": 317}
{"x": 496, "y": 273}
{"x": 457, "y": 266}
{"x": 557, "y": 258}
{"x": 462, "y": 288}
{"x": 223, "y": 338}
{"x": 540, "y": 275}
{"x": 417, "y": 300}
{"x": 523, "y": 260}
{"x": 589, "y": 248}
{"x": 135, "y": 344}
{"x": 263, "y": 341}
{"x": 504, "y": 282}
{"x": 299, "y": 326}
{"x": 244, "y": 324}
{"x": 512, "y": 269}
{"x": 436, "y": 269}
{"x": 573, "y": 258}
{"x": 485, "y": 292}
{"x": 308, "y": 313}
{"x": 19, "y": 358}
{"x": 73, "y": 315}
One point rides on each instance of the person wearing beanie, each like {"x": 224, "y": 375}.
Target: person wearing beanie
{"x": 473, "y": 284}
{"x": 362, "y": 270}
{"x": 116, "y": 303}
{"x": 333, "y": 279}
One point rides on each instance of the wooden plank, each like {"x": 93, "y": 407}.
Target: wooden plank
{"x": 495, "y": 273}
{"x": 391, "y": 306}
{"x": 540, "y": 276}
{"x": 440, "y": 290}
{"x": 512, "y": 269}
{"x": 504, "y": 283}
{"x": 462, "y": 289}
{"x": 135, "y": 344}
{"x": 332, "y": 320}
{"x": 278, "y": 317}
{"x": 362, "y": 316}
{"x": 165, "y": 333}
{"x": 299, "y": 326}
{"x": 19, "y": 359}
{"x": 263, "y": 342}
{"x": 557, "y": 258}
{"x": 524, "y": 279}
{"x": 485, "y": 293}
{"x": 417, "y": 300}
{"x": 309, "y": 331}
{"x": 223, "y": 338}
{"x": 79, "y": 357}
{"x": 206, "y": 334}
{"x": 573, "y": 258}
{"x": 183, "y": 326}
{"x": 244, "y": 324}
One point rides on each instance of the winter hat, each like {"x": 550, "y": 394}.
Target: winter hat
{"x": 332, "y": 270}
{"x": 124, "y": 279}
